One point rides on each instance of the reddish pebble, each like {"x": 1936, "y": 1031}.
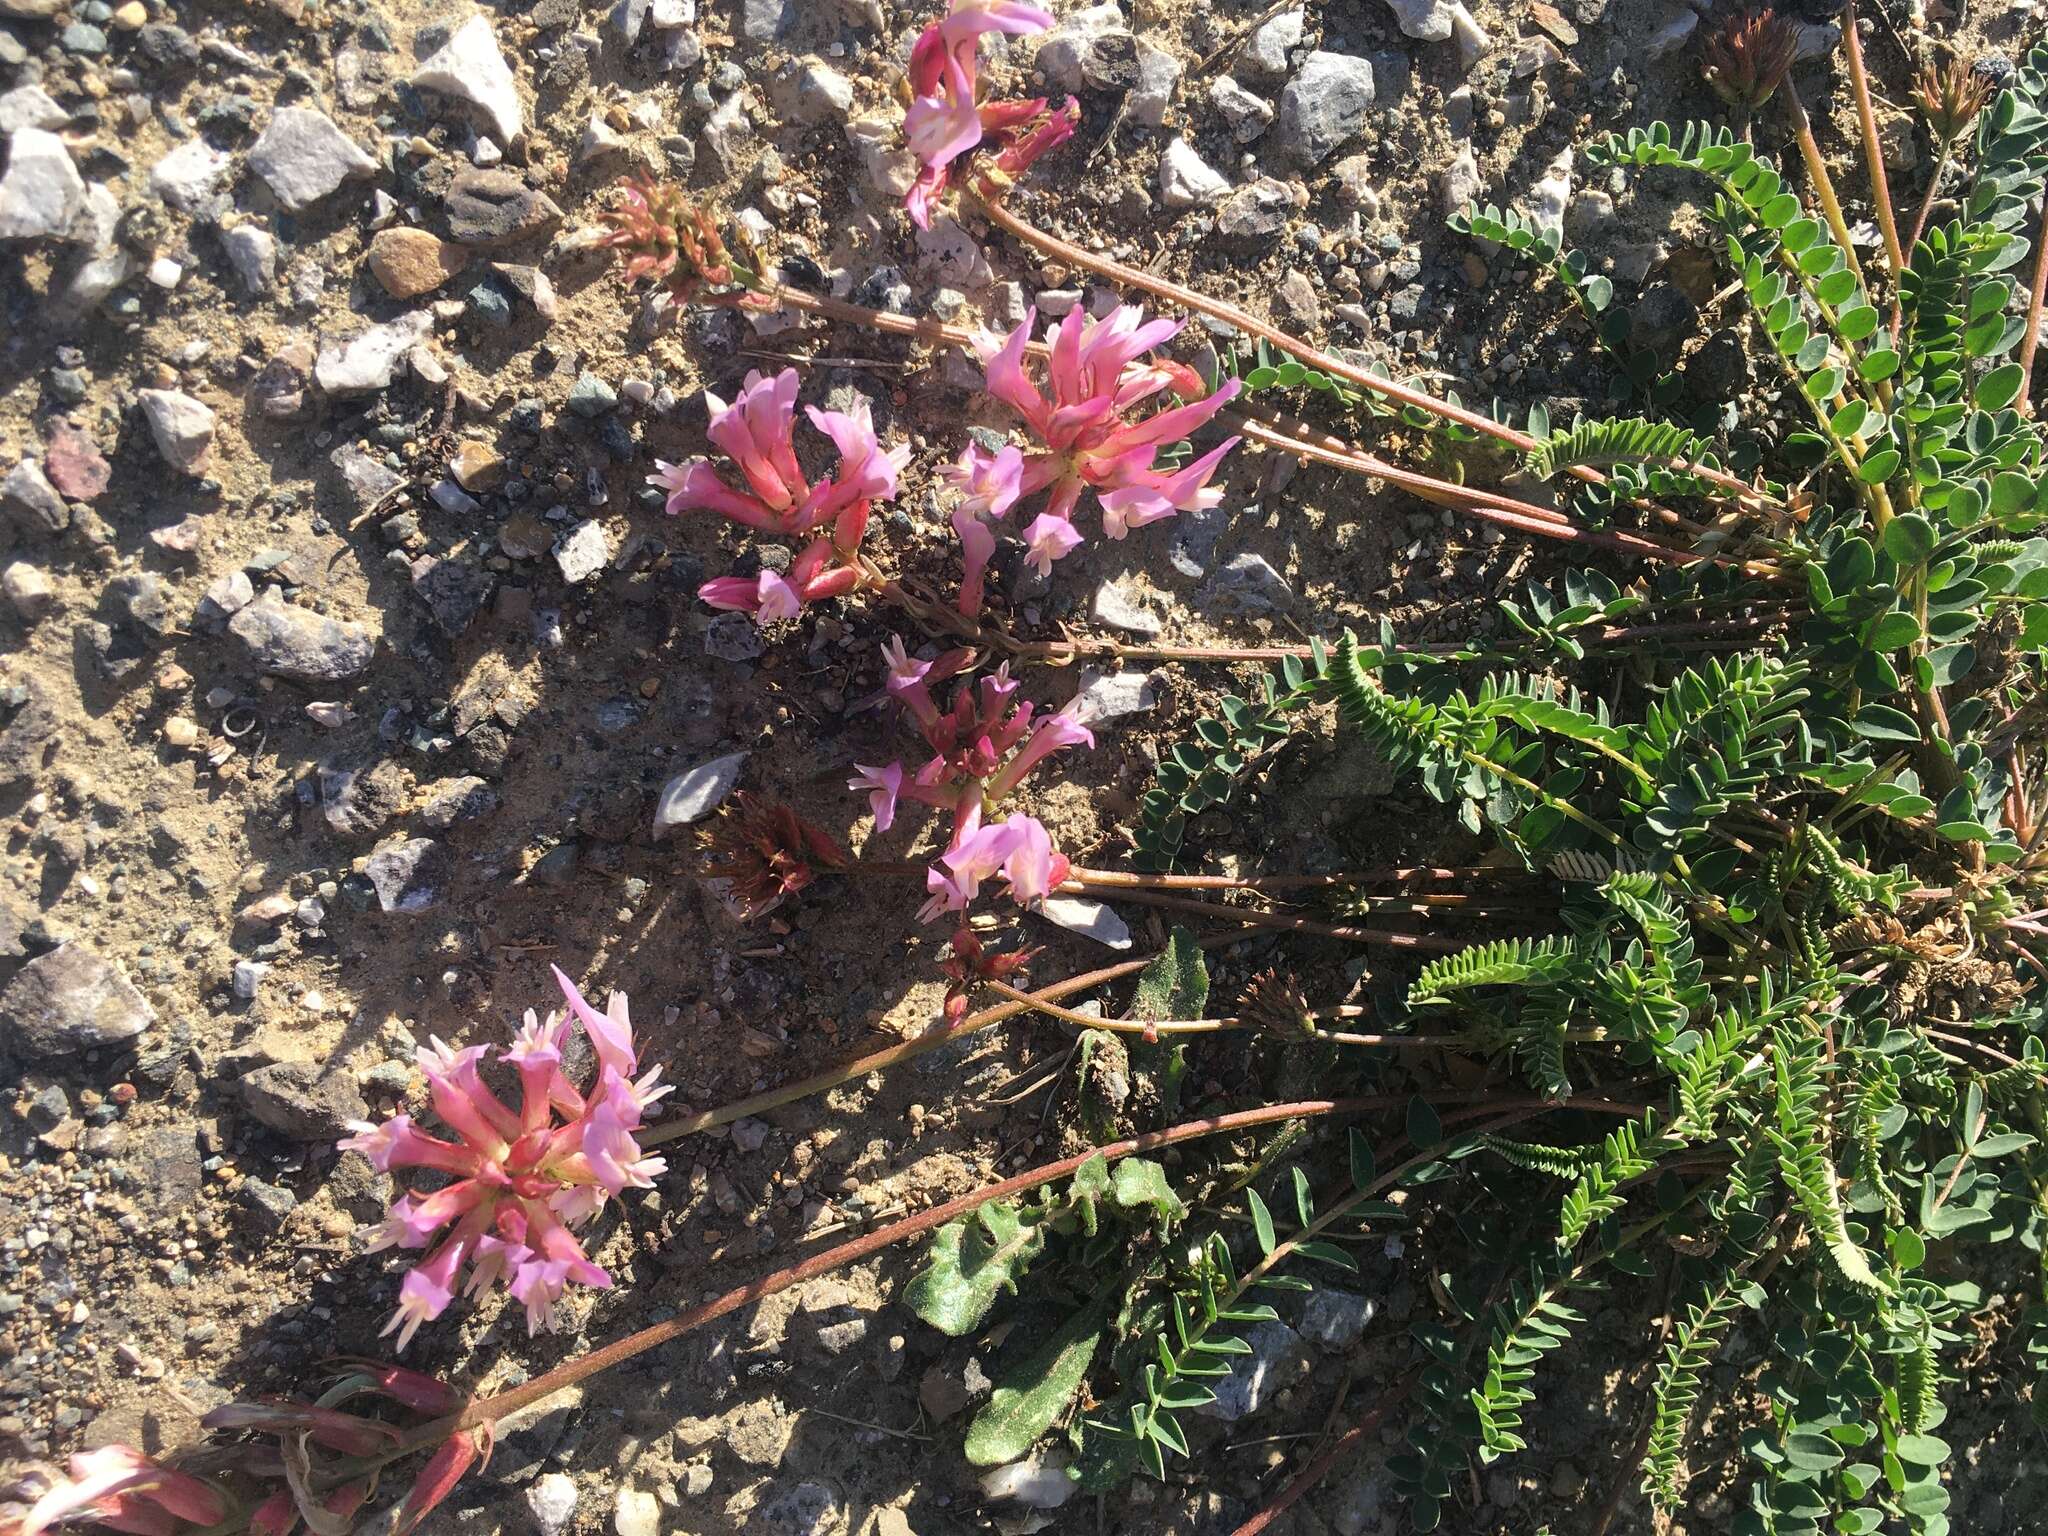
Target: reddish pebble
{"x": 122, "y": 1093}
{"x": 75, "y": 464}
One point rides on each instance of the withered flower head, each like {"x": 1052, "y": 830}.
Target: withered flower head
{"x": 1274, "y": 1002}
{"x": 967, "y": 962}
{"x": 1747, "y": 57}
{"x": 1949, "y": 96}
{"x": 768, "y": 852}
{"x": 668, "y": 239}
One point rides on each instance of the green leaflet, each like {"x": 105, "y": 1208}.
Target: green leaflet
{"x": 1035, "y": 1392}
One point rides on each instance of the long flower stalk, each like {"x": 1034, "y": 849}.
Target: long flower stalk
{"x": 1817, "y": 173}
{"x": 1873, "y": 147}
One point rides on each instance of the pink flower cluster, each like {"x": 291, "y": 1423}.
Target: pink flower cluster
{"x": 944, "y": 121}
{"x": 1095, "y": 377}
{"x": 757, "y": 434}
{"x": 124, "y": 1490}
{"x": 523, "y": 1178}
{"x": 983, "y": 747}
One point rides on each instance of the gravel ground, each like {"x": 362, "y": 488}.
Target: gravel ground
{"x": 344, "y": 657}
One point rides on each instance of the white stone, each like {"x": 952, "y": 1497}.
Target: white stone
{"x": 1678, "y": 25}
{"x": 1186, "y": 180}
{"x": 1462, "y": 182}
{"x": 636, "y": 1512}
{"x": 30, "y": 106}
{"x": 1111, "y": 697}
{"x": 1473, "y": 39}
{"x": 1113, "y": 605}
{"x": 182, "y": 427}
{"x": 551, "y": 1501}
{"x": 42, "y": 195}
{"x": 302, "y": 157}
{"x": 252, "y": 252}
{"x": 369, "y": 361}
{"x": 190, "y": 177}
{"x": 1335, "y": 1319}
{"x": 1266, "y": 56}
{"x": 1428, "y": 20}
{"x": 1549, "y": 198}
{"x": 696, "y": 792}
{"x": 1041, "y": 1482}
{"x": 28, "y": 589}
{"x": 670, "y": 14}
{"x": 1063, "y": 55}
{"x": 822, "y": 93}
{"x": 583, "y": 551}
{"x": 470, "y": 68}
{"x": 165, "y": 273}
{"x": 951, "y": 254}
{"x": 1087, "y": 917}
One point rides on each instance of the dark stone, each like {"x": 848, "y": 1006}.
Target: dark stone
{"x": 490, "y": 208}
{"x": 1662, "y": 319}
{"x": 454, "y": 591}
{"x": 28, "y": 728}
{"x": 167, "y": 1159}
{"x": 168, "y": 47}
{"x": 71, "y": 1000}
{"x": 409, "y": 876}
{"x": 267, "y": 1205}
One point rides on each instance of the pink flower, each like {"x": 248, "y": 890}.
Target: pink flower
{"x": 1032, "y": 869}
{"x": 126, "y": 1491}
{"x": 944, "y": 120}
{"x": 756, "y": 433}
{"x": 866, "y": 472}
{"x": 886, "y": 784}
{"x": 990, "y": 482}
{"x": 1054, "y": 733}
{"x": 525, "y": 1176}
{"x": 1049, "y": 538}
{"x": 768, "y": 597}
{"x": 1096, "y": 375}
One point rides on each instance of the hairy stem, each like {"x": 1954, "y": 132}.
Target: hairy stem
{"x": 1873, "y": 149}
{"x": 2031, "y": 337}
{"x": 1817, "y": 173}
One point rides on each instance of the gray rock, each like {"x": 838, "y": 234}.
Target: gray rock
{"x": 368, "y": 478}
{"x": 356, "y": 800}
{"x": 1195, "y": 536}
{"x": 1462, "y": 182}
{"x": 807, "y": 1509}
{"x": 368, "y": 362}
{"x": 454, "y": 591}
{"x": 1248, "y": 115}
{"x": 247, "y": 978}
{"x": 763, "y": 21}
{"x": 727, "y": 133}
{"x": 266, "y": 1204}
{"x": 252, "y": 252}
{"x": 696, "y": 792}
{"x": 297, "y": 643}
{"x": 42, "y": 196}
{"x": 1255, "y": 211}
{"x": 491, "y": 208}
{"x": 822, "y": 93}
{"x": 1186, "y": 180}
{"x": 1066, "y": 54}
{"x": 223, "y": 600}
{"x": 1111, "y": 697}
{"x": 1113, "y": 605}
{"x": 1428, "y": 21}
{"x": 1248, "y": 583}
{"x": 1152, "y": 96}
{"x": 1277, "y": 1356}
{"x": 1324, "y": 104}
{"x": 302, "y": 157}
{"x": 181, "y": 425}
{"x": 191, "y": 177}
{"x": 470, "y": 68}
{"x": 31, "y": 501}
{"x": 458, "y": 800}
{"x": 301, "y": 1100}
{"x": 1336, "y": 1319}
{"x": 408, "y": 876}
{"x": 71, "y": 1000}
{"x": 1268, "y": 55}
{"x": 30, "y": 106}
{"x": 592, "y": 397}
{"x": 583, "y": 551}
{"x": 732, "y": 637}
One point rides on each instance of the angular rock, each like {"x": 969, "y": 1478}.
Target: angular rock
{"x": 31, "y": 502}
{"x": 181, "y": 425}
{"x": 763, "y": 21}
{"x": 1462, "y": 182}
{"x": 30, "y": 106}
{"x": 1158, "y": 75}
{"x": 1065, "y": 54}
{"x": 491, "y": 208}
{"x": 470, "y": 68}
{"x": 551, "y": 1504}
{"x": 296, "y": 643}
{"x": 1186, "y": 180}
{"x": 42, "y": 196}
{"x": 1248, "y": 115}
{"x": 368, "y": 362}
{"x": 303, "y": 158}
{"x": 190, "y": 178}
{"x": 1277, "y": 1356}
{"x": 822, "y": 93}
{"x": 1089, "y": 918}
{"x": 583, "y": 551}
{"x": 409, "y": 876}
{"x": 1336, "y": 1319}
{"x": 696, "y": 792}
{"x": 1256, "y": 211}
{"x": 1268, "y": 55}
{"x": 1428, "y": 21}
{"x": 410, "y": 262}
{"x": 1324, "y": 104}
{"x": 458, "y": 800}
{"x": 252, "y": 252}
{"x": 454, "y": 591}
{"x": 301, "y": 1100}
{"x": 28, "y": 589}
{"x": 71, "y": 1000}
{"x": 1113, "y": 696}
{"x": 367, "y": 477}
{"x": 727, "y": 132}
